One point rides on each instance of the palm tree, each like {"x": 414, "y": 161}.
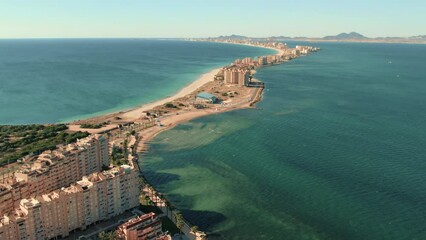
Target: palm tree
{"x": 194, "y": 229}
{"x": 108, "y": 236}
{"x": 179, "y": 222}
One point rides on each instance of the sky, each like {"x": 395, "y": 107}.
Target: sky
{"x": 209, "y": 18}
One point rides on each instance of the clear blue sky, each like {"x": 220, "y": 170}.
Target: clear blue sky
{"x": 203, "y": 18}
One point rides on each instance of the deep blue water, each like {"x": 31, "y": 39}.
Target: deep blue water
{"x": 336, "y": 150}
{"x": 54, "y": 80}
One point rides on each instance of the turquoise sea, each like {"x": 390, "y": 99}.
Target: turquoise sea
{"x": 336, "y": 150}
{"x": 56, "y": 80}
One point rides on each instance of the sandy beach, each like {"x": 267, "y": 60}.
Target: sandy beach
{"x": 203, "y": 79}
{"x": 244, "y": 98}
{"x": 136, "y": 113}
{"x": 279, "y": 51}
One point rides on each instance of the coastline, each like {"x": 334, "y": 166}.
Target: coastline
{"x": 220, "y": 90}
{"x": 134, "y": 113}
{"x": 199, "y": 82}
{"x": 278, "y": 51}
{"x": 138, "y": 115}
{"x": 172, "y": 121}
{"x": 130, "y": 111}
{"x": 354, "y": 41}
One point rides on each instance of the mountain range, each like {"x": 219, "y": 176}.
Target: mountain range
{"x": 342, "y": 37}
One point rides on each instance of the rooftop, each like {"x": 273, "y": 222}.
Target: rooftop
{"x": 139, "y": 221}
{"x": 206, "y": 95}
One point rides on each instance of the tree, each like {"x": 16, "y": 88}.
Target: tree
{"x": 180, "y": 222}
{"x": 169, "y": 105}
{"x": 126, "y": 152}
{"x": 108, "y": 236}
{"x": 194, "y": 229}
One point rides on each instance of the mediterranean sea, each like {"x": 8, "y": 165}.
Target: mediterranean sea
{"x": 57, "y": 80}
{"x": 336, "y": 150}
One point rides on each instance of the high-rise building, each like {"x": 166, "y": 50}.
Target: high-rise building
{"x": 247, "y": 60}
{"x": 55, "y": 169}
{"x": 12, "y": 193}
{"x": 236, "y": 75}
{"x": 262, "y": 61}
{"x": 97, "y": 197}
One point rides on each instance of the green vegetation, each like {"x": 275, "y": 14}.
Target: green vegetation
{"x": 92, "y": 125}
{"x": 108, "y": 236}
{"x": 149, "y": 208}
{"x": 169, "y": 105}
{"x": 180, "y": 222}
{"x": 19, "y": 141}
{"x": 169, "y": 226}
{"x": 224, "y": 94}
{"x": 194, "y": 229}
{"x": 119, "y": 155}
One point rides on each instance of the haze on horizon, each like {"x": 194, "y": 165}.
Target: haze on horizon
{"x": 198, "y": 18}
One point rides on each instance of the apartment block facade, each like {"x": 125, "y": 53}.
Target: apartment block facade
{"x": 145, "y": 227}
{"x": 236, "y": 75}
{"x": 96, "y": 197}
{"x": 55, "y": 169}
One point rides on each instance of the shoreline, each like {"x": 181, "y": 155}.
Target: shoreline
{"x": 188, "y": 89}
{"x": 169, "y": 122}
{"x": 224, "y": 89}
{"x": 172, "y": 121}
{"x": 278, "y": 51}
{"x": 133, "y": 113}
{"x": 138, "y": 116}
{"x": 130, "y": 111}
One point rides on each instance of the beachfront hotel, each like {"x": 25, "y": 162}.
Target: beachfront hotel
{"x": 236, "y": 75}
{"x": 248, "y": 61}
{"x": 262, "y": 61}
{"x": 96, "y": 197}
{"x": 54, "y": 169}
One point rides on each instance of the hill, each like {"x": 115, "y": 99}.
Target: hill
{"x": 346, "y": 36}
{"x": 232, "y": 37}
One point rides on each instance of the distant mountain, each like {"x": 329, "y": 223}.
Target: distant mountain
{"x": 418, "y": 37}
{"x": 233, "y": 37}
{"x": 343, "y": 37}
{"x": 279, "y": 37}
{"x": 346, "y": 36}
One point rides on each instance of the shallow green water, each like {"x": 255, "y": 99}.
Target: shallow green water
{"x": 336, "y": 151}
